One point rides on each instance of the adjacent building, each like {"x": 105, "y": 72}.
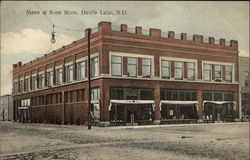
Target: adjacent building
{"x": 244, "y": 83}
{"x": 141, "y": 77}
{"x": 6, "y": 108}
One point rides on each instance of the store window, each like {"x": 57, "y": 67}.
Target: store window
{"x": 132, "y": 67}
{"x": 165, "y": 69}
{"x": 116, "y": 66}
{"x": 146, "y": 67}
{"x": 81, "y": 70}
{"x": 178, "y": 70}
{"x": 190, "y": 70}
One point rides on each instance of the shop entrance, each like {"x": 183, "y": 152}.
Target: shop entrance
{"x": 132, "y": 113}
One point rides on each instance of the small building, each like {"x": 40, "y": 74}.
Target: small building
{"x": 144, "y": 77}
{"x": 244, "y": 84}
{"x": 6, "y": 107}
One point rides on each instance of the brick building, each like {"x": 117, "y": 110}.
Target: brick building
{"x": 149, "y": 77}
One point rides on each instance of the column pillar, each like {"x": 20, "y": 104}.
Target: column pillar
{"x": 63, "y": 107}
{"x": 200, "y": 106}
{"x": 157, "y": 116}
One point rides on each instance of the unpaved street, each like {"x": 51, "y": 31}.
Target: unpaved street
{"x": 177, "y": 142}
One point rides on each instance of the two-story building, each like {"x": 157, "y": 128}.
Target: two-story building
{"x": 148, "y": 77}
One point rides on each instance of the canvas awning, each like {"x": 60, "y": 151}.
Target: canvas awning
{"x": 179, "y": 102}
{"x": 222, "y": 102}
{"x": 114, "y": 101}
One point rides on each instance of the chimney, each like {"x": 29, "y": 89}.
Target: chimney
{"x": 171, "y": 34}
{"x": 86, "y": 33}
{"x": 234, "y": 44}
{"x": 222, "y": 42}
{"x": 211, "y": 40}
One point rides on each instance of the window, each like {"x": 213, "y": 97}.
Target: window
{"x": 218, "y": 73}
{"x": 21, "y": 86}
{"x": 132, "y": 67}
{"x": 58, "y": 76}
{"x": 27, "y": 84}
{"x": 178, "y": 95}
{"x": 146, "y": 94}
{"x": 228, "y": 72}
{"x": 207, "y": 71}
{"x": 178, "y": 70}
{"x": 190, "y": 71}
{"x": 146, "y": 67}
{"x": 49, "y": 78}
{"x": 95, "y": 93}
{"x": 33, "y": 83}
{"x": 94, "y": 67}
{"x": 218, "y": 96}
{"x": 117, "y": 93}
{"x": 165, "y": 69}
{"x": 69, "y": 73}
{"x": 41, "y": 80}
{"x": 81, "y": 70}
{"x": 116, "y": 66}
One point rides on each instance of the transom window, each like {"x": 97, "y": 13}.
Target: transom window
{"x": 165, "y": 69}
{"x": 146, "y": 67}
{"x": 132, "y": 93}
{"x": 178, "y": 70}
{"x": 218, "y": 96}
{"x": 132, "y": 67}
{"x": 95, "y": 93}
{"x": 116, "y": 65}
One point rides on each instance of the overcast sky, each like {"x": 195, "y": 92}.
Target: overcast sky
{"x": 25, "y": 37}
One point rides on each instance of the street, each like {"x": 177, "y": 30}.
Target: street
{"x": 224, "y": 141}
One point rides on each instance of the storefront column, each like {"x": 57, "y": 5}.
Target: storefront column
{"x": 63, "y": 107}
{"x": 104, "y": 108}
{"x": 157, "y": 97}
{"x": 200, "y": 106}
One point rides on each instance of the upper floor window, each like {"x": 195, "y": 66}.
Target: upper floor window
{"x": 94, "y": 67}
{"x": 33, "y": 83}
{"x": 58, "y": 76}
{"x": 165, "y": 69}
{"x": 27, "y": 84}
{"x": 95, "y": 93}
{"x": 81, "y": 70}
{"x": 69, "y": 73}
{"x": 207, "y": 71}
{"x": 228, "y": 73}
{"x": 178, "y": 70}
{"x": 49, "y": 78}
{"x": 21, "y": 85}
{"x": 190, "y": 71}
{"x": 132, "y": 67}
{"x": 146, "y": 67}
{"x": 41, "y": 80}
{"x": 116, "y": 66}
{"x": 218, "y": 72}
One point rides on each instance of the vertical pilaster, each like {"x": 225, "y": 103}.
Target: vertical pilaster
{"x": 157, "y": 116}
{"x": 63, "y": 107}
{"x": 200, "y": 105}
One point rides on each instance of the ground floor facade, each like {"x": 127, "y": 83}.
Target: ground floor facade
{"x": 130, "y": 101}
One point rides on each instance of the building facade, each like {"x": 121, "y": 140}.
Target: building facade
{"x": 137, "y": 76}
{"x": 244, "y": 83}
{"x": 6, "y": 108}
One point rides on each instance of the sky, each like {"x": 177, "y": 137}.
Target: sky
{"x": 25, "y": 37}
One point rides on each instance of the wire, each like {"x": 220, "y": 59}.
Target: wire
{"x": 56, "y": 24}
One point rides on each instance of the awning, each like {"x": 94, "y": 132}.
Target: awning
{"x": 221, "y": 102}
{"x": 179, "y": 102}
{"x": 131, "y": 102}
{"x": 22, "y": 107}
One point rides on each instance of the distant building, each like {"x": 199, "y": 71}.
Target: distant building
{"x": 244, "y": 83}
{"x": 137, "y": 76}
{"x": 6, "y": 108}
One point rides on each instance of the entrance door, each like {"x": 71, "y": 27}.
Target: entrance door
{"x": 131, "y": 111}
{"x": 219, "y": 112}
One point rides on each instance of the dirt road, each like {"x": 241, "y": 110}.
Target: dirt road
{"x": 195, "y": 142}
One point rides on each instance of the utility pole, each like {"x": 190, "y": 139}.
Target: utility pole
{"x": 89, "y": 80}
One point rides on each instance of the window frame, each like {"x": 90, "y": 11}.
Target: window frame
{"x": 182, "y": 70}
{"x": 189, "y": 69}
{"x": 146, "y": 65}
{"x": 116, "y": 63}
{"x": 204, "y": 72}
{"x": 129, "y": 64}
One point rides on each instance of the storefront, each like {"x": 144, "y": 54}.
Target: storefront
{"x": 219, "y": 106}
{"x": 130, "y": 106}
{"x": 178, "y": 106}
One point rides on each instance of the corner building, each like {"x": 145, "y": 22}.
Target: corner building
{"x": 137, "y": 76}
